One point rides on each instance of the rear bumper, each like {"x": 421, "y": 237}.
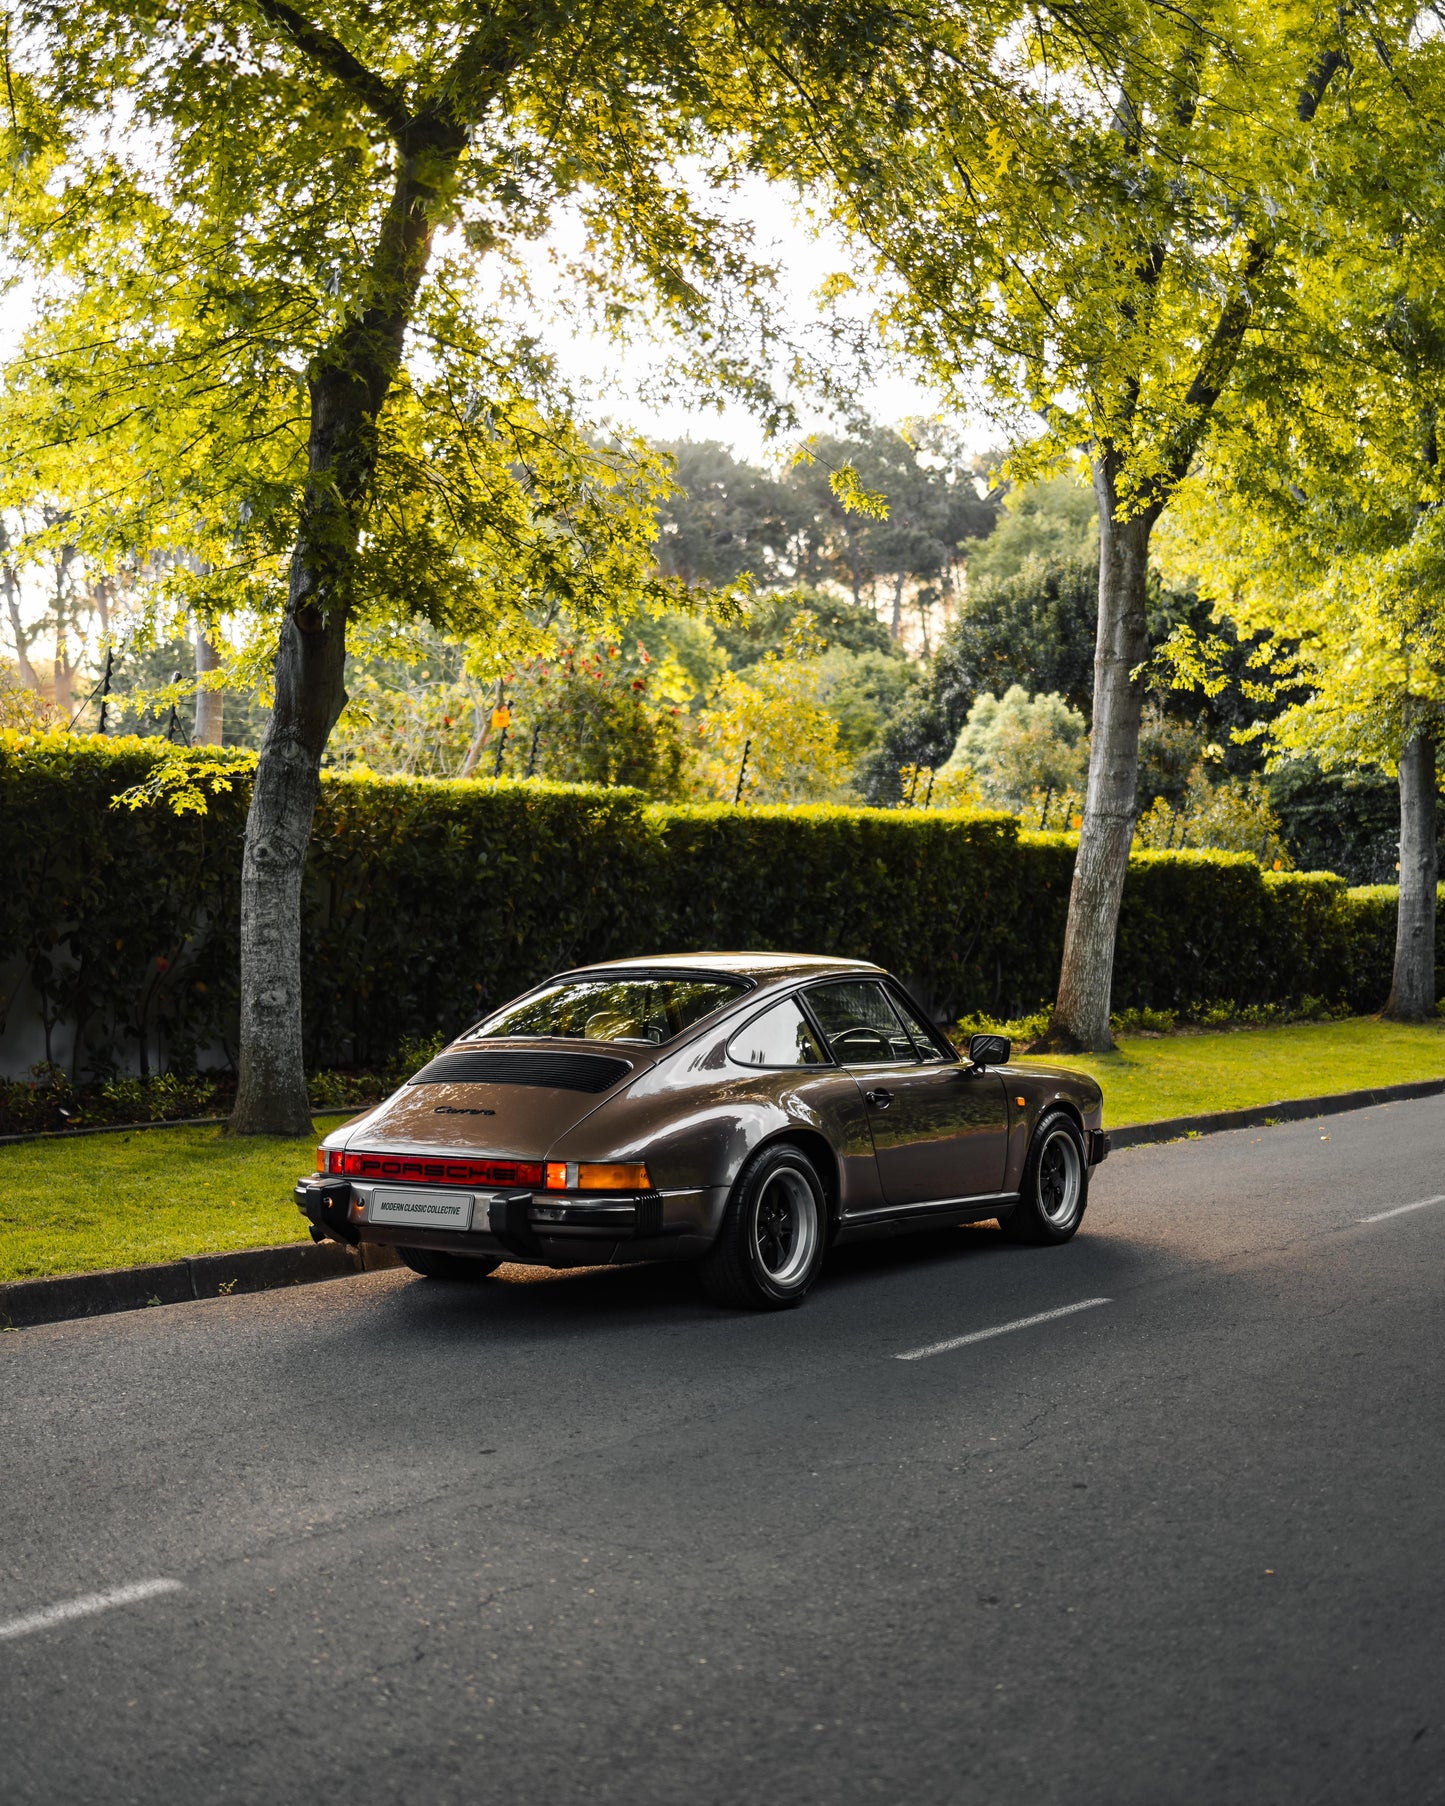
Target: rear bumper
{"x": 549, "y": 1229}
{"x": 325, "y": 1204}
{"x": 1098, "y": 1147}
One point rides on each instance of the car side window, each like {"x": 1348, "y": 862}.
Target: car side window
{"x": 861, "y": 1025}
{"x": 924, "y": 1039}
{"x": 781, "y": 1036}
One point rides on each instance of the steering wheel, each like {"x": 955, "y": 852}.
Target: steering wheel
{"x": 867, "y": 1042}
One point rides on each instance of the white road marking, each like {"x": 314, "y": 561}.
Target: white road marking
{"x": 1400, "y": 1209}
{"x": 1001, "y": 1329}
{"x": 85, "y": 1607}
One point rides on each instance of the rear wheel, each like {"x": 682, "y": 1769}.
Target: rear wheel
{"x": 770, "y": 1246}
{"x": 436, "y": 1263}
{"x": 1056, "y": 1184}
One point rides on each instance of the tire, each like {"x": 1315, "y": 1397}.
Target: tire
{"x": 774, "y": 1230}
{"x": 436, "y": 1263}
{"x": 1055, "y": 1191}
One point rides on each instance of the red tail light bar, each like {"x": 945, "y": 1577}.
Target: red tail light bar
{"x": 424, "y": 1169}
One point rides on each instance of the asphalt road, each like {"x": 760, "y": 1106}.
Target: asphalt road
{"x": 585, "y": 1538}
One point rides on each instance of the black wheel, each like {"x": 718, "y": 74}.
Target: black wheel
{"x": 436, "y": 1263}
{"x": 1055, "y": 1190}
{"x": 770, "y": 1246}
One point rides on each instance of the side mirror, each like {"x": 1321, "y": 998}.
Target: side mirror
{"x": 990, "y": 1050}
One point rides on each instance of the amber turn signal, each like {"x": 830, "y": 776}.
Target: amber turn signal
{"x": 613, "y": 1178}
{"x": 1022, "y": 1102}
{"x": 562, "y": 1175}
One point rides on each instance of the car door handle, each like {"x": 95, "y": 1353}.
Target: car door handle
{"x": 880, "y": 1100}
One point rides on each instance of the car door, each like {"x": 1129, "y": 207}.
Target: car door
{"x": 939, "y": 1127}
{"x": 782, "y": 1042}
{"x": 958, "y": 1114}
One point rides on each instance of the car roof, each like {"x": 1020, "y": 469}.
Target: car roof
{"x": 762, "y": 968}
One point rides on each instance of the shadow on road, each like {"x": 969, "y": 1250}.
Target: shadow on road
{"x": 881, "y": 1274}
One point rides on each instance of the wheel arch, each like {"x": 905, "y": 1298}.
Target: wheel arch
{"x": 819, "y": 1150}
{"x": 1067, "y": 1107}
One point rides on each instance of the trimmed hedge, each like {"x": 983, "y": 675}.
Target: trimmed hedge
{"x": 937, "y": 896}
{"x": 429, "y": 901}
{"x": 124, "y": 921}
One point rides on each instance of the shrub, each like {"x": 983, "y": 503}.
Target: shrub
{"x": 429, "y": 901}
{"x": 123, "y": 920}
{"x": 1233, "y": 816}
{"x": 1016, "y": 745}
{"x": 933, "y": 895}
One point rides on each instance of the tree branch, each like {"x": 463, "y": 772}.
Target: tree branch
{"x": 1322, "y": 72}
{"x": 1213, "y": 370}
{"x": 493, "y": 50}
{"x": 375, "y": 93}
{"x": 1217, "y": 361}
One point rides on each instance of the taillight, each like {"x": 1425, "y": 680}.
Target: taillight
{"x": 562, "y": 1175}
{"x": 420, "y": 1168}
{"x": 328, "y": 1160}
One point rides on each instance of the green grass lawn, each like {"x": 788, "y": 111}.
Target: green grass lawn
{"x": 120, "y": 1200}
{"x": 1190, "y": 1075}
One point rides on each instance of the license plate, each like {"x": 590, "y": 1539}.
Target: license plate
{"x": 422, "y": 1209}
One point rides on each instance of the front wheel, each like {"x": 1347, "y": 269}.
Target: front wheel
{"x": 436, "y": 1263}
{"x": 770, "y": 1246}
{"x": 1056, "y": 1184}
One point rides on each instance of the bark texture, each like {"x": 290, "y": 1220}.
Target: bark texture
{"x": 349, "y": 383}
{"x": 210, "y": 704}
{"x": 1412, "y": 992}
{"x": 1080, "y": 1022}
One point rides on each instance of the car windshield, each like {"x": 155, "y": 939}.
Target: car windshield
{"x": 615, "y": 1008}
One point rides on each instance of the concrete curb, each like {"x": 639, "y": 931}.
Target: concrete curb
{"x": 27, "y": 1302}
{"x": 136, "y": 1128}
{"x": 1297, "y": 1109}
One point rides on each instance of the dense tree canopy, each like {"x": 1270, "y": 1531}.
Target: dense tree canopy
{"x": 728, "y": 519}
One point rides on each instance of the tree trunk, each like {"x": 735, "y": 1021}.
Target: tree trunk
{"x": 1412, "y": 993}
{"x": 28, "y": 674}
{"x": 1080, "y": 1022}
{"x": 271, "y": 1097}
{"x": 210, "y": 704}
{"x": 348, "y": 383}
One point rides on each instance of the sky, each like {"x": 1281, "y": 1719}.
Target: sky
{"x": 804, "y": 256}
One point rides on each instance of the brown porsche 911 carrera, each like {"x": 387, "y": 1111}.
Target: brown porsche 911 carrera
{"x": 741, "y": 1110}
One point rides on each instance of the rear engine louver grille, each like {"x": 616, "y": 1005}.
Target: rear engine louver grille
{"x": 555, "y": 1071}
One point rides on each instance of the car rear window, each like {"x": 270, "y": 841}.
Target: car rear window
{"x": 619, "y": 1007}
{"x": 520, "y": 1066}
